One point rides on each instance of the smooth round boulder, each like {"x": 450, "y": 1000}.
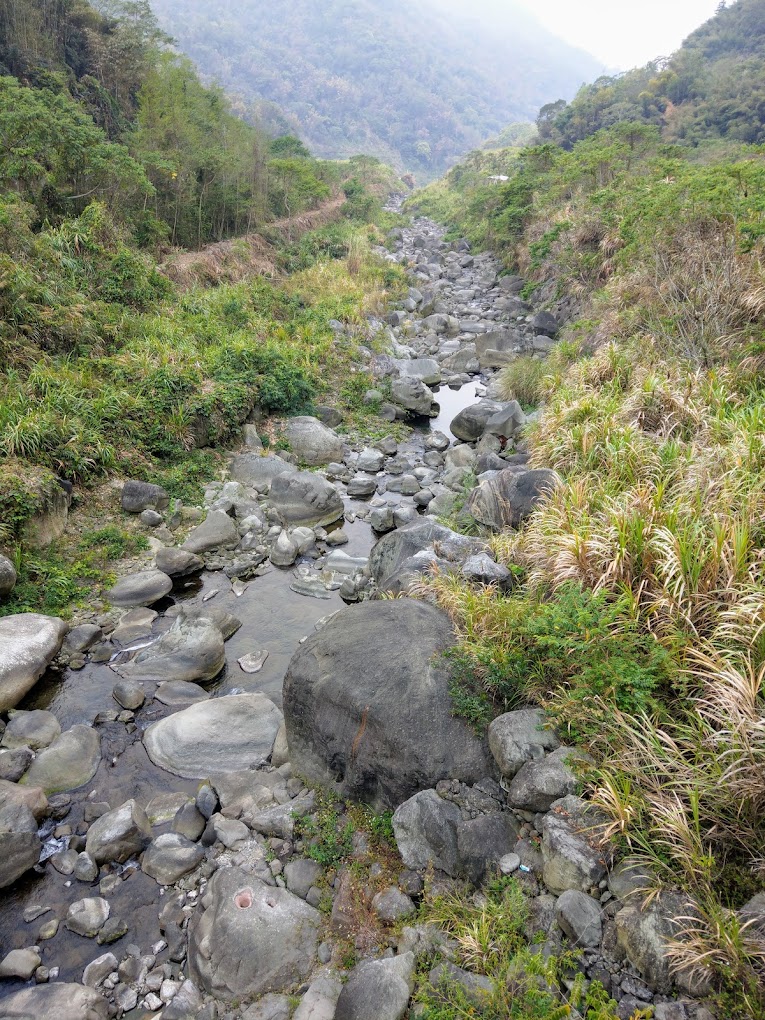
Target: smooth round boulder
{"x": 71, "y": 761}
{"x": 141, "y": 589}
{"x": 222, "y": 735}
{"x": 31, "y": 729}
{"x": 217, "y": 531}
{"x": 368, "y": 710}
{"x": 7, "y": 577}
{"x": 305, "y": 498}
{"x": 178, "y": 562}
{"x": 170, "y": 857}
{"x": 192, "y": 650}
{"x": 312, "y": 442}
{"x": 28, "y": 644}
{"x": 469, "y": 425}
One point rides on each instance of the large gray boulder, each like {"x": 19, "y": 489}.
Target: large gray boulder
{"x": 141, "y": 589}
{"x": 403, "y": 555}
{"x": 367, "y": 705}
{"x": 139, "y": 496}
{"x": 427, "y": 370}
{"x": 222, "y": 735}
{"x": 377, "y": 990}
{"x": 250, "y": 938}
{"x": 509, "y": 497}
{"x": 170, "y": 857}
{"x": 538, "y": 784}
{"x": 28, "y": 644}
{"x": 258, "y": 472}
{"x": 470, "y": 424}
{"x": 305, "y": 498}
{"x": 192, "y": 650}
{"x": 178, "y": 562}
{"x": 55, "y": 1002}
{"x": 119, "y": 834}
{"x": 217, "y": 531}
{"x": 71, "y": 761}
{"x": 412, "y": 395}
{"x": 312, "y": 442}
{"x": 518, "y": 737}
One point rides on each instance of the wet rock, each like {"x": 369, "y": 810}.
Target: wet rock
{"x": 85, "y": 917}
{"x": 506, "y": 499}
{"x": 71, "y": 761}
{"x": 28, "y": 644}
{"x": 191, "y": 650}
{"x": 313, "y": 443}
{"x": 7, "y": 577}
{"x": 222, "y": 735}
{"x": 34, "y": 729}
{"x": 178, "y": 562}
{"x": 179, "y": 694}
{"x": 367, "y": 705}
{"x": 250, "y": 938}
{"x": 81, "y": 638}
{"x": 56, "y": 1001}
{"x": 217, "y": 531}
{"x": 425, "y": 827}
{"x": 135, "y": 624}
{"x": 85, "y": 868}
{"x": 142, "y": 589}
{"x": 377, "y": 990}
{"x": 118, "y": 835}
{"x": 129, "y": 694}
{"x": 519, "y": 737}
{"x": 305, "y": 499}
{"x": 579, "y": 917}
{"x": 169, "y": 857}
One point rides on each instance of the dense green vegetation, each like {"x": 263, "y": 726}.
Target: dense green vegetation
{"x": 416, "y": 84}
{"x": 652, "y": 413}
{"x": 712, "y": 88}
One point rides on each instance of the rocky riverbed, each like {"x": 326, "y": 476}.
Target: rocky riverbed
{"x": 156, "y": 758}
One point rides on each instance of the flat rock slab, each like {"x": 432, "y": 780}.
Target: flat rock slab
{"x": 56, "y": 1002}
{"x": 71, "y": 761}
{"x": 28, "y": 644}
{"x": 142, "y": 589}
{"x": 221, "y": 735}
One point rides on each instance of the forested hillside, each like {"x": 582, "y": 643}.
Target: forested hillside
{"x": 713, "y": 88}
{"x": 112, "y": 155}
{"x": 416, "y": 84}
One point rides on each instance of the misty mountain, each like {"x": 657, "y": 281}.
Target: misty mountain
{"x": 416, "y": 82}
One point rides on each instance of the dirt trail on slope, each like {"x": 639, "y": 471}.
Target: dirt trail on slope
{"x": 248, "y": 255}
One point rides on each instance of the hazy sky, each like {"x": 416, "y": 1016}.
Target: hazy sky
{"x": 623, "y": 33}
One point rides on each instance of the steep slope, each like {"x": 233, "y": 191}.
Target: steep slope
{"x": 712, "y": 88}
{"x": 415, "y": 83}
